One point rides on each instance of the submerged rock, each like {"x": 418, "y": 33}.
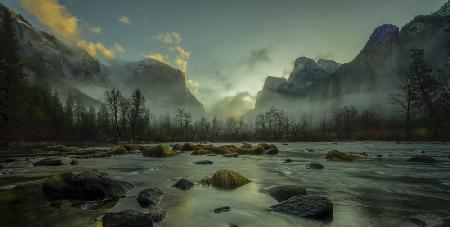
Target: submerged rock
{"x": 422, "y": 159}
{"x": 183, "y": 184}
{"x": 203, "y": 162}
{"x": 284, "y": 192}
{"x": 150, "y": 196}
{"x": 226, "y": 179}
{"x": 128, "y": 218}
{"x": 74, "y": 162}
{"x": 336, "y": 155}
{"x": 271, "y": 151}
{"x": 287, "y": 160}
{"x": 315, "y": 207}
{"x": 231, "y": 155}
{"x": 48, "y": 162}
{"x": 222, "y": 209}
{"x": 314, "y": 165}
{"x": 159, "y": 151}
{"x": 85, "y": 185}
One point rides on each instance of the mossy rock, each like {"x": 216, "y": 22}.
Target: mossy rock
{"x": 187, "y": 147}
{"x": 202, "y": 152}
{"x": 208, "y": 147}
{"x": 336, "y": 155}
{"x": 225, "y": 149}
{"x": 267, "y": 146}
{"x": 72, "y": 149}
{"x": 116, "y": 150}
{"x": 159, "y": 151}
{"x": 225, "y": 179}
{"x": 257, "y": 150}
{"x": 246, "y": 146}
{"x": 177, "y": 147}
{"x": 130, "y": 147}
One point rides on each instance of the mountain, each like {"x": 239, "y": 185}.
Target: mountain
{"x": 370, "y": 75}
{"x": 69, "y": 68}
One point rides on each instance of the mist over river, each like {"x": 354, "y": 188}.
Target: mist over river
{"x": 383, "y": 190}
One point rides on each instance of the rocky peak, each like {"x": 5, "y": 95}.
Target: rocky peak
{"x": 304, "y": 64}
{"x": 382, "y": 35}
{"x": 329, "y": 66}
{"x": 443, "y": 11}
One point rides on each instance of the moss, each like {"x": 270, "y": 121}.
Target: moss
{"x": 225, "y": 149}
{"x": 225, "y": 179}
{"x": 159, "y": 151}
{"x": 336, "y": 155}
{"x": 187, "y": 147}
{"x": 118, "y": 150}
{"x": 246, "y": 146}
{"x": 208, "y": 147}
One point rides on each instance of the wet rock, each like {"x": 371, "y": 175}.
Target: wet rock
{"x": 128, "y": 218}
{"x": 231, "y": 155}
{"x": 118, "y": 150}
{"x": 314, "y": 165}
{"x": 287, "y": 160}
{"x": 246, "y": 146}
{"x": 271, "y": 151}
{"x": 284, "y": 192}
{"x": 95, "y": 154}
{"x": 159, "y": 151}
{"x": 157, "y": 213}
{"x": 222, "y": 209}
{"x": 183, "y": 184}
{"x": 176, "y": 147}
{"x": 1, "y": 166}
{"x": 444, "y": 223}
{"x": 336, "y": 155}
{"x": 74, "y": 162}
{"x": 203, "y": 162}
{"x": 85, "y": 185}
{"x": 187, "y": 147}
{"x": 422, "y": 159}
{"x": 48, "y": 162}
{"x": 150, "y": 196}
{"x": 226, "y": 179}
{"x": 379, "y": 156}
{"x": 315, "y": 207}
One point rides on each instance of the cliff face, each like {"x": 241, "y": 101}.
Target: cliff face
{"x": 67, "y": 68}
{"x": 371, "y": 73}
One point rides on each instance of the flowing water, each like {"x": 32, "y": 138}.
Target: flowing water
{"x": 383, "y": 190}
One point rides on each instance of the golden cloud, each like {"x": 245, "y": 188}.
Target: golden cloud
{"x": 173, "y": 42}
{"x": 61, "y": 22}
{"x": 124, "y": 19}
{"x": 118, "y": 48}
{"x": 158, "y": 57}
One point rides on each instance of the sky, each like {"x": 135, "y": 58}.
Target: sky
{"x": 226, "y": 48}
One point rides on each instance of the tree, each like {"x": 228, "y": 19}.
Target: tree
{"x": 137, "y": 110}
{"x": 113, "y": 100}
{"x": 405, "y": 98}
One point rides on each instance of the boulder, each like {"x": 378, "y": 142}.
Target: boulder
{"x": 159, "y": 151}
{"x": 284, "y": 192}
{"x": 257, "y": 150}
{"x": 48, "y": 162}
{"x": 128, "y": 218}
{"x": 202, "y": 152}
{"x": 246, "y": 146}
{"x": 177, "y": 147}
{"x": 187, "y": 147}
{"x": 422, "y": 159}
{"x": 271, "y": 151}
{"x": 336, "y": 155}
{"x": 85, "y": 185}
{"x": 226, "y": 179}
{"x": 183, "y": 184}
{"x": 74, "y": 162}
{"x": 315, "y": 207}
{"x": 118, "y": 150}
{"x": 150, "y": 196}
{"x": 203, "y": 162}
{"x": 222, "y": 209}
{"x": 314, "y": 165}
{"x": 157, "y": 213}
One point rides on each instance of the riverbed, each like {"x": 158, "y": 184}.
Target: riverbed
{"x": 383, "y": 190}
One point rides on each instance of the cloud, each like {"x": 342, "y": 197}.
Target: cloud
{"x": 118, "y": 48}
{"x": 158, "y": 57}
{"x": 256, "y": 57}
{"x": 324, "y": 55}
{"x": 66, "y": 26}
{"x": 53, "y": 15}
{"x": 172, "y": 40}
{"x": 96, "y": 30}
{"x": 234, "y": 106}
{"x": 124, "y": 19}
